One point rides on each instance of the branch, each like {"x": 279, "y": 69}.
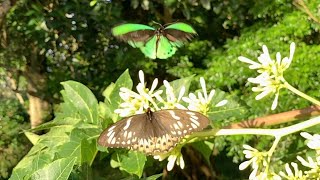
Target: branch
{"x": 300, "y": 4}
{"x": 5, "y": 6}
{"x": 13, "y": 84}
{"x": 275, "y": 119}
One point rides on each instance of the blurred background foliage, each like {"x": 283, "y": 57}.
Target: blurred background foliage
{"x": 46, "y": 42}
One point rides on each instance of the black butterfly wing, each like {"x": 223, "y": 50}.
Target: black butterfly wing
{"x": 133, "y": 33}
{"x": 137, "y": 36}
{"x": 179, "y": 33}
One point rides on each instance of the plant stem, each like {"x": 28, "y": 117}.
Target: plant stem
{"x": 296, "y": 91}
{"x": 278, "y": 133}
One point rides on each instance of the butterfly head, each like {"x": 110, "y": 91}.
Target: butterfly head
{"x": 149, "y": 114}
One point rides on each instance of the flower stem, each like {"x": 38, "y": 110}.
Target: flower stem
{"x": 277, "y": 133}
{"x": 296, "y": 91}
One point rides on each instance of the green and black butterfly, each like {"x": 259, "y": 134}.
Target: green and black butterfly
{"x": 159, "y": 43}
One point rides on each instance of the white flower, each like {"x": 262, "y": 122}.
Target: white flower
{"x": 271, "y": 79}
{"x": 256, "y": 159}
{"x": 138, "y": 103}
{"x": 269, "y": 65}
{"x": 174, "y": 156}
{"x": 200, "y": 103}
{"x": 310, "y": 163}
{"x": 314, "y": 166}
{"x": 172, "y": 101}
{"x": 296, "y": 174}
{"x": 313, "y": 141}
{"x": 267, "y": 85}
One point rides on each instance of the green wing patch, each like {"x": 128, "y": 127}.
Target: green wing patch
{"x": 165, "y": 48}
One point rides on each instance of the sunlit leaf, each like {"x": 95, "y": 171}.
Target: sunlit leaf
{"x": 59, "y": 169}
{"x": 30, "y": 164}
{"x": 132, "y": 162}
{"x": 82, "y": 100}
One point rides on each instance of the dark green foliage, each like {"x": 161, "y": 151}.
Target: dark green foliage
{"x": 13, "y": 144}
{"x": 72, "y": 40}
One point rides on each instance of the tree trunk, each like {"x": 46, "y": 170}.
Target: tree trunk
{"x": 37, "y": 88}
{"x": 36, "y": 106}
{"x": 34, "y": 72}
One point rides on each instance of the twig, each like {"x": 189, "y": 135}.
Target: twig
{"x": 275, "y": 119}
{"x": 300, "y": 4}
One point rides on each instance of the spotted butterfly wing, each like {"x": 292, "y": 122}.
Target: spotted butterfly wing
{"x": 153, "y": 132}
{"x": 159, "y": 43}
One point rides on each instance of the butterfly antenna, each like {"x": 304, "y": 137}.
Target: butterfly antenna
{"x": 157, "y": 23}
{"x": 167, "y": 24}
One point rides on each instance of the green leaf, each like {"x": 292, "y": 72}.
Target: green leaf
{"x": 36, "y": 148}
{"x": 123, "y": 81}
{"x": 206, "y": 4}
{"x": 88, "y": 151}
{"x": 107, "y": 92}
{"x": 222, "y": 114}
{"x": 76, "y": 145}
{"x": 92, "y": 3}
{"x": 30, "y": 164}
{"x": 33, "y": 138}
{"x": 132, "y": 162}
{"x": 82, "y": 101}
{"x": 59, "y": 169}
{"x": 154, "y": 177}
{"x": 60, "y": 121}
{"x": 19, "y": 174}
{"x": 108, "y": 116}
{"x": 112, "y": 97}
{"x": 56, "y": 136}
{"x": 177, "y": 84}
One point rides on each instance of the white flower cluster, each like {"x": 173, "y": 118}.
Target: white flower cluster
{"x": 270, "y": 80}
{"x": 138, "y": 103}
{"x": 258, "y": 161}
{"x": 312, "y": 163}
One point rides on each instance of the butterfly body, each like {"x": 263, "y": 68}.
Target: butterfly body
{"x": 153, "y": 132}
{"x": 159, "y": 43}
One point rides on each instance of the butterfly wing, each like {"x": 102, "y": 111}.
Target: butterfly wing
{"x": 164, "y": 48}
{"x": 155, "y": 133}
{"x": 124, "y": 133}
{"x": 179, "y": 123}
{"x": 169, "y": 126}
{"x": 137, "y": 133}
{"x": 135, "y": 34}
{"x": 158, "y": 47}
{"x": 173, "y": 36}
{"x": 149, "y": 48}
{"x": 179, "y": 33}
